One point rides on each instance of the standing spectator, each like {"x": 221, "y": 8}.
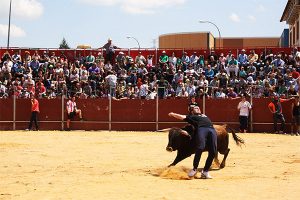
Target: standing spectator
{"x": 111, "y": 83}
{"x": 144, "y": 90}
{"x": 35, "y": 109}
{"x": 296, "y": 116}
{"x": 161, "y": 86}
{"x": 244, "y": 107}
{"x": 72, "y": 111}
{"x": 109, "y": 50}
{"x": 275, "y": 108}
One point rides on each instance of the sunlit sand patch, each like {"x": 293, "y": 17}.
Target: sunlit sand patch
{"x": 11, "y": 145}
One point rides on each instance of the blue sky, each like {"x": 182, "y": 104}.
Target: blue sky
{"x": 43, "y": 23}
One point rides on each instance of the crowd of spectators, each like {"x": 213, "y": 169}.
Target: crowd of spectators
{"x": 215, "y": 76}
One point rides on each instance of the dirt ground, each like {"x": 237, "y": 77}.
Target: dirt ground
{"x": 132, "y": 165}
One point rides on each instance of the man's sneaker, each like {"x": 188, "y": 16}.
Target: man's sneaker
{"x": 81, "y": 119}
{"x": 192, "y": 173}
{"x": 27, "y": 129}
{"x": 205, "y": 175}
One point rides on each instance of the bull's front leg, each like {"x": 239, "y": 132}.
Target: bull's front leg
{"x": 180, "y": 156}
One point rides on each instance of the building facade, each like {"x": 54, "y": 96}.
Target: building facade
{"x": 206, "y": 40}
{"x": 292, "y": 18}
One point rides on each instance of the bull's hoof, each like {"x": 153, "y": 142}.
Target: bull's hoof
{"x": 222, "y": 165}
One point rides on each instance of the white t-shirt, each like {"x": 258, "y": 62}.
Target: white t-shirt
{"x": 244, "y": 108}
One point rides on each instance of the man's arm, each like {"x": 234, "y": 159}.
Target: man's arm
{"x": 177, "y": 116}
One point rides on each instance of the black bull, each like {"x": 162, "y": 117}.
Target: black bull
{"x": 184, "y": 143}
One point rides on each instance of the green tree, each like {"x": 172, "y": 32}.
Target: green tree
{"x": 64, "y": 44}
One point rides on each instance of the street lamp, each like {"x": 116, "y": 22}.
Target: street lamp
{"x": 201, "y": 21}
{"x": 9, "y": 15}
{"x": 129, "y": 37}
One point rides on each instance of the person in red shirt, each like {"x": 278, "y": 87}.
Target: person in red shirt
{"x": 275, "y": 108}
{"x": 35, "y": 109}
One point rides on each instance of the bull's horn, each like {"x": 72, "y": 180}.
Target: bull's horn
{"x": 164, "y": 130}
{"x": 185, "y": 134}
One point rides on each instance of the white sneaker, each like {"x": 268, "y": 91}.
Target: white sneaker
{"x": 192, "y": 173}
{"x": 205, "y": 175}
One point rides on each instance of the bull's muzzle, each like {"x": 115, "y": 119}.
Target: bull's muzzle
{"x": 170, "y": 149}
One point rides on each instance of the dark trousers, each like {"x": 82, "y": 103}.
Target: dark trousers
{"x": 278, "y": 118}
{"x": 205, "y": 137}
{"x": 243, "y": 123}
{"x": 33, "y": 118}
{"x": 110, "y": 57}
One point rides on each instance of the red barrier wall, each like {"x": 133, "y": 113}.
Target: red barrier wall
{"x": 135, "y": 115}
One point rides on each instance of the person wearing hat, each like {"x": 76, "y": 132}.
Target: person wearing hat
{"x": 163, "y": 59}
{"x": 275, "y": 108}
{"x": 109, "y": 51}
{"x": 205, "y": 136}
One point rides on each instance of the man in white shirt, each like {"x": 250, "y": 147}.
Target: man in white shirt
{"x": 244, "y": 107}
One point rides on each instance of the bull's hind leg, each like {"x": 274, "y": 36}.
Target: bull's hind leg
{"x": 224, "y": 159}
{"x": 216, "y": 161}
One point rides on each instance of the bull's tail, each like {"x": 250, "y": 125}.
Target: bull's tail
{"x": 239, "y": 141}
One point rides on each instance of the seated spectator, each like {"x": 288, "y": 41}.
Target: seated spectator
{"x": 185, "y": 59}
{"x": 99, "y": 59}
{"x": 194, "y": 59}
{"x": 222, "y": 61}
{"x": 232, "y": 66}
{"x": 163, "y": 59}
{"x": 40, "y": 90}
{"x": 90, "y": 59}
{"x": 16, "y": 57}
{"x": 190, "y": 89}
{"x": 140, "y": 59}
{"x": 243, "y": 58}
{"x": 242, "y": 72}
{"x": 252, "y": 71}
{"x": 219, "y": 94}
{"x": 27, "y": 57}
{"x": 149, "y": 62}
{"x": 190, "y": 72}
{"x": 278, "y": 63}
{"x": 252, "y": 57}
{"x": 209, "y": 73}
{"x": 231, "y": 93}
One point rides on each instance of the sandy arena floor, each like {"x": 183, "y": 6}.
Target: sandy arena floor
{"x": 132, "y": 165}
